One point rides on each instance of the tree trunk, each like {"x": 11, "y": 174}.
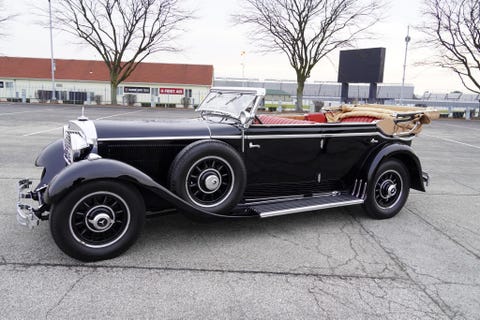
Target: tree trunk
{"x": 113, "y": 93}
{"x": 299, "y": 104}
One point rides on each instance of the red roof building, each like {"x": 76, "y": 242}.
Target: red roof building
{"x": 26, "y": 76}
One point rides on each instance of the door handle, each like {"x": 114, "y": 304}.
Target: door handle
{"x": 252, "y": 146}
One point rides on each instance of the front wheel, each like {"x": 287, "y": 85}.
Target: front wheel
{"x": 97, "y": 220}
{"x": 388, "y": 193}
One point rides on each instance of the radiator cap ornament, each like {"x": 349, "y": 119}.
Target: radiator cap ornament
{"x": 82, "y": 117}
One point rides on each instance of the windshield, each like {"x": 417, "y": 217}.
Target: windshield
{"x": 229, "y": 104}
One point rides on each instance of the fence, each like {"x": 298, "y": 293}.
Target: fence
{"x": 99, "y": 94}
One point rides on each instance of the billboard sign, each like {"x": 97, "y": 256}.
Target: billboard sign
{"x": 143, "y": 90}
{"x": 171, "y": 91}
{"x": 361, "y": 66}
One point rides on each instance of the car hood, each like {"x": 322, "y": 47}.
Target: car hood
{"x": 151, "y": 129}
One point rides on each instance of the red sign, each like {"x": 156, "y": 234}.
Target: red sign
{"x": 171, "y": 91}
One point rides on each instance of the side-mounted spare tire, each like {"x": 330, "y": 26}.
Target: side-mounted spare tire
{"x": 210, "y": 175}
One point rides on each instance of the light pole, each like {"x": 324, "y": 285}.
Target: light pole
{"x": 242, "y": 54}
{"x": 407, "y": 40}
{"x": 54, "y": 96}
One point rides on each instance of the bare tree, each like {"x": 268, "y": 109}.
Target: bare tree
{"x": 451, "y": 28}
{"x": 4, "y": 18}
{"x": 307, "y": 30}
{"x": 123, "y": 32}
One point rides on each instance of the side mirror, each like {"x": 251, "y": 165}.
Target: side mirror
{"x": 245, "y": 117}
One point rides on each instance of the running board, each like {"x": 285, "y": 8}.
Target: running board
{"x": 304, "y": 205}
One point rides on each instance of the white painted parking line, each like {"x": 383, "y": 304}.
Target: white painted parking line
{"x": 462, "y": 127}
{"x": 119, "y": 114}
{"x": 38, "y": 132}
{"x": 19, "y": 112}
{"x": 107, "y": 117}
{"x": 453, "y": 141}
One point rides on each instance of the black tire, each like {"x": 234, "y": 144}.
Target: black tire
{"x": 97, "y": 220}
{"x": 210, "y": 175}
{"x": 388, "y": 191}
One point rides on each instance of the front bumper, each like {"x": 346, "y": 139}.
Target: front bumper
{"x": 27, "y": 214}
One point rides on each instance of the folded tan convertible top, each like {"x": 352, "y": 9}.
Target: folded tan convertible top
{"x": 395, "y": 120}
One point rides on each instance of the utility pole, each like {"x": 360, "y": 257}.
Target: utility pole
{"x": 54, "y": 96}
{"x": 407, "y": 40}
{"x": 242, "y": 54}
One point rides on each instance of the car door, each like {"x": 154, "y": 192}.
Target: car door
{"x": 304, "y": 159}
{"x": 282, "y": 159}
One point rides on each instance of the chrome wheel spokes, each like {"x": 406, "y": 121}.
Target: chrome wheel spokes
{"x": 209, "y": 181}
{"x": 99, "y": 219}
{"x": 388, "y": 189}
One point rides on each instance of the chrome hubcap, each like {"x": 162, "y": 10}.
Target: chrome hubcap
{"x": 209, "y": 181}
{"x": 212, "y": 182}
{"x": 100, "y": 218}
{"x": 388, "y": 189}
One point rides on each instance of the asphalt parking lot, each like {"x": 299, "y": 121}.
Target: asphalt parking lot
{"x": 333, "y": 264}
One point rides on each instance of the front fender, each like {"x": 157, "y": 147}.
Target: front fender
{"x": 401, "y": 152}
{"x": 90, "y": 170}
{"x": 51, "y": 159}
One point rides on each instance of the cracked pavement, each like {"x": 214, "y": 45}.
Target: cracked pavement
{"x": 333, "y": 264}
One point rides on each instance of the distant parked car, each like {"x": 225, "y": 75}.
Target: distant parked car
{"x": 423, "y": 105}
{"x": 102, "y": 179}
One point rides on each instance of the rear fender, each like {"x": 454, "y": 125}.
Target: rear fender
{"x": 91, "y": 170}
{"x": 402, "y": 153}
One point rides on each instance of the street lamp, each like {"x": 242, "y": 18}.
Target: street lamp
{"x": 242, "y": 54}
{"x": 54, "y": 96}
{"x": 407, "y": 40}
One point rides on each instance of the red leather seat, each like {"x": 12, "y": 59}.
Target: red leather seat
{"x": 266, "y": 119}
{"x": 316, "y": 117}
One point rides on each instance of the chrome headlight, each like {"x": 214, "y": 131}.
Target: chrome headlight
{"x": 74, "y": 144}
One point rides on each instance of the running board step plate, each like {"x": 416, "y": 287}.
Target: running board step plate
{"x": 304, "y": 205}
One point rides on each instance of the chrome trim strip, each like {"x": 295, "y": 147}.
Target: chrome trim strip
{"x": 355, "y": 187}
{"x": 227, "y": 137}
{"x": 359, "y": 188}
{"x": 262, "y": 137}
{"x": 310, "y": 135}
{"x": 268, "y": 200}
{"x": 310, "y": 208}
{"x": 324, "y": 135}
{"x": 364, "y": 193}
{"x": 154, "y": 138}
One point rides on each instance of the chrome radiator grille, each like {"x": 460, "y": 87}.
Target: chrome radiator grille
{"x": 67, "y": 144}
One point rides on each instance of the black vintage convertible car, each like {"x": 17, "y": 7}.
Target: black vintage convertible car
{"x": 104, "y": 177}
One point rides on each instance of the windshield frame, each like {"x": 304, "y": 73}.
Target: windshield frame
{"x": 258, "y": 95}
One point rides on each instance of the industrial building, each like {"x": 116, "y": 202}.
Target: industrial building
{"x": 324, "y": 91}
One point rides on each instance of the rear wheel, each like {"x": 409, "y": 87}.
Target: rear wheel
{"x": 98, "y": 220}
{"x": 389, "y": 191}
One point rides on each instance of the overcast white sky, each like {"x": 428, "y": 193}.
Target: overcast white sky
{"x": 213, "y": 39}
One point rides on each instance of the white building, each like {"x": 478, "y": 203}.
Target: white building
{"x": 86, "y": 81}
